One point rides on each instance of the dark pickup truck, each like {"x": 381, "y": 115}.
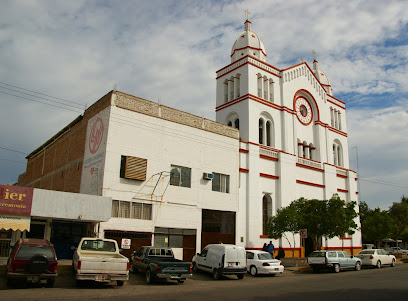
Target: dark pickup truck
{"x": 159, "y": 263}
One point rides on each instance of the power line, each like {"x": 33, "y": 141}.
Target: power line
{"x": 13, "y": 161}
{"x": 40, "y": 102}
{"x": 13, "y": 150}
{"x": 41, "y": 94}
{"x": 383, "y": 183}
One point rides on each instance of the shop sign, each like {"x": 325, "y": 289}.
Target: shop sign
{"x": 15, "y": 222}
{"x": 15, "y": 200}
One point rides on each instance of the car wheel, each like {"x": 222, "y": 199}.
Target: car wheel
{"x": 336, "y": 268}
{"x": 393, "y": 263}
{"x": 253, "y": 271}
{"x": 180, "y": 281}
{"x": 241, "y": 276}
{"x": 9, "y": 282}
{"x": 50, "y": 282}
{"x": 195, "y": 269}
{"x": 119, "y": 283}
{"x": 378, "y": 265}
{"x": 149, "y": 277}
{"x": 217, "y": 275}
{"x": 358, "y": 266}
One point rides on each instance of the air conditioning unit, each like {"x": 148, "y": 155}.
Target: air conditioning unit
{"x": 208, "y": 176}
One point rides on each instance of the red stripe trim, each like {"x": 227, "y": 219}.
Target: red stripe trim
{"x": 356, "y": 192}
{"x": 243, "y": 170}
{"x": 268, "y": 158}
{"x": 342, "y": 190}
{"x": 268, "y": 176}
{"x": 241, "y": 150}
{"x": 310, "y": 184}
{"x": 341, "y": 176}
{"x": 309, "y": 167}
{"x": 345, "y": 237}
{"x": 253, "y": 48}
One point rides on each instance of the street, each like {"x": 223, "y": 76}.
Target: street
{"x": 367, "y": 284}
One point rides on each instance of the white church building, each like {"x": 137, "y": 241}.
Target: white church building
{"x": 184, "y": 181}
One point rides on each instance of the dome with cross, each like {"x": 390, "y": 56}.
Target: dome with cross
{"x": 248, "y": 43}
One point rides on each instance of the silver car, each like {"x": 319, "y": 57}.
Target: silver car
{"x": 334, "y": 260}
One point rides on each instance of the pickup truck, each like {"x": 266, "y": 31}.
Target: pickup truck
{"x": 99, "y": 260}
{"x": 334, "y": 260}
{"x": 159, "y": 263}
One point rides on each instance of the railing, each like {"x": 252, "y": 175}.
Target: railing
{"x": 309, "y": 163}
{"x": 268, "y": 153}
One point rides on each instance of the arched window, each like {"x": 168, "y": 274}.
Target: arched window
{"x": 268, "y": 133}
{"x": 226, "y": 90}
{"x": 260, "y": 83}
{"x": 331, "y": 116}
{"x": 271, "y": 90}
{"x": 266, "y": 87}
{"x": 261, "y": 130}
{"x": 266, "y": 211}
{"x": 230, "y": 123}
{"x": 300, "y": 148}
{"x": 238, "y": 85}
{"x": 312, "y": 154}
{"x": 337, "y": 153}
{"x": 237, "y": 123}
{"x": 305, "y": 150}
{"x": 231, "y": 89}
{"x": 339, "y": 118}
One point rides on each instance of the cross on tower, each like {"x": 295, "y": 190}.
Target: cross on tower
{"x": 247, "y": 13}
{"x": 314, "y": 53}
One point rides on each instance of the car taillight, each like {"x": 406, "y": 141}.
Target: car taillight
{"x": 265, "y": 264}
{"x": 79, "y": 265}
{"x": 158, "y": 268}
{"x": 371, "y": 257}
{"x": 128, "y": 266}
{"x": 281, "y": 263}
{"x": 11, "y": 267}
{"x": 191, "y": 267}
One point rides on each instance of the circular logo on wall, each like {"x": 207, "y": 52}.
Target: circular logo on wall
{"x": 96, "y": 135}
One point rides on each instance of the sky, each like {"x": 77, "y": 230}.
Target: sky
{"x": 74, "y": 52}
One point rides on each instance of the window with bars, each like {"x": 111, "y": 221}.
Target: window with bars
{"x": 134, "y": 210}
{"x": 220, "y": 182}
{"x": 180, "y": 176}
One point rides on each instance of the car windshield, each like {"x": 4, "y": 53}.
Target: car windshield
{"x": 28, "y": 251}
{"x": 98, "y": 245}
{"x": 265, "y": 256}
{"x": 367, "y": 252}
{"x": 317, "y": 254}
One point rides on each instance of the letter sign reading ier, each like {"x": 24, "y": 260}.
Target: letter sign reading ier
{"x": 16, "y": 200}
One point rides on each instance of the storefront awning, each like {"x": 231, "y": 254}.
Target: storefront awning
{"x": 15, "y": 222}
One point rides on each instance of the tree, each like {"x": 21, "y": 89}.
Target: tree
{"x": 327, "y": 218}
{"x": 399, "y": 213}
{"x": 286, "y": 220}
{"x": 364, "y": 211}
{"x": 377, "y": 226}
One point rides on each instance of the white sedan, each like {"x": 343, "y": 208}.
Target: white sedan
{"x": 261, "y": 262}
{"x": 376, "y": 257}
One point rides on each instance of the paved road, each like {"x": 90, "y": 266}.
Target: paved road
{"x": 368, "y": 284}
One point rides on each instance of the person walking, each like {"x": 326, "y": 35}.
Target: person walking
{"x": 271, "y": 248}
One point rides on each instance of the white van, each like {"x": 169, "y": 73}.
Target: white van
{"x": 221, "y": 259}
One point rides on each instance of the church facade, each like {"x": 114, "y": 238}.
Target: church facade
{"x": 183, "y": 181}
{"x": 293, "y": 136}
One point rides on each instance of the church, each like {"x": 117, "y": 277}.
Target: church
{"x": 183, "y": 181}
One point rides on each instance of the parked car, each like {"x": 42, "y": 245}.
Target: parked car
{"x": 32, "y": 260}
{"x": 398, "y": 250}
{"x": 334, "y": 260}
{"x": 99, "y": 260}
{"x": 159, "y": 263}
{"x": 221, "y": 259}
{"x": 376, "y": 258}
{"x": 261, "y": 262}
